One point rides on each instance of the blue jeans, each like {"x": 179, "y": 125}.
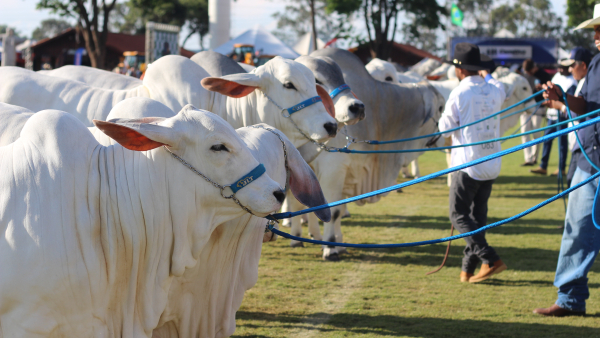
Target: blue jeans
{"x": 579, "y": 247}
{"x": 562, "y": 150}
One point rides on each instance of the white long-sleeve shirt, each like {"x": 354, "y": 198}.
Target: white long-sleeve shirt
{"x": 472, "y": 100}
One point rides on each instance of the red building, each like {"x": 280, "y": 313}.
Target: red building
{"x": 60, "y": 50}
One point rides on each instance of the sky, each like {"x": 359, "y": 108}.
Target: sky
{"x": 22, "y": 15}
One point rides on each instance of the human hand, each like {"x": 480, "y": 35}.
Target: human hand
{"x": 551, "y": 92}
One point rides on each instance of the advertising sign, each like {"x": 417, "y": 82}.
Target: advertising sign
{"x": 161, "y": 40}
{"x": 505, "y": 51}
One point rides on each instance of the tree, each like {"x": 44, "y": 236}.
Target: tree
{"x": 527, "y": 18}
{"x": 4, "y": 27}
{"x": 577, "y": 12}
{"x": 381, "y": 20}
{"x": 298, "y": 19}
{"x": 197, "y": 19}
{"x": 49, "y": 28}
{"x": 133, "y": 15}
{"x": 92, "y": 20}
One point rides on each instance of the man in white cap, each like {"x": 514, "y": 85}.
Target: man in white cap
{"x": 581, "y": 240}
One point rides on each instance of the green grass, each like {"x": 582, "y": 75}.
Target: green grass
{"x": 385, "y": 293}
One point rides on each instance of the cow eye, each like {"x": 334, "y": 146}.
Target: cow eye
{"x": 219, "y": 147}
{"x": 319, "y": 82}
{"x": 289, "y": 85}
{"x": 389, "y": 79}
{"x": 525, "y": 88}
{"x": 441, "y": 109}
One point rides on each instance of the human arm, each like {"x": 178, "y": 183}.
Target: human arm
{"x": 490, "y": 79}
{"x": 554, "y": 96}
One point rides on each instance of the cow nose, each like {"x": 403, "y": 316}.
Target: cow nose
{"x": 331, "y": 128}
{"x": 279, "y": 195}
{"x": 358, "y": 109}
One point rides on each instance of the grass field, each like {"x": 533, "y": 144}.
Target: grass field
{"x": 385, "y": 293}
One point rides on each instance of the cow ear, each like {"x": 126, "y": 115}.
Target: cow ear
{"x": 137, "y": 134}
{"x": 303, "y": 182}
{"x": 327, "y": 101}
{"x": 234, "y": 85}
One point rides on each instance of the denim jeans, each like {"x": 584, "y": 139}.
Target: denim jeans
{"x": 579, "y": 247}
{"x": 562, "y": 150}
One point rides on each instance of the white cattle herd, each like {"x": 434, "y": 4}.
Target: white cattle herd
{"x": 135, "y": 208}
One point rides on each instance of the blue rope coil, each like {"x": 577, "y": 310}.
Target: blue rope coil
{"x": 440, "y": 240}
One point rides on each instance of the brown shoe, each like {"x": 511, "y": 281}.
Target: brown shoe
{"x": 529, "y": 164}
{"x": 487, "y": 271}
{"x": 555, "y": 173}
{"x": 465, "y": 276}
{"x": 540, "y": 171}
{"x": 557, "y": 311}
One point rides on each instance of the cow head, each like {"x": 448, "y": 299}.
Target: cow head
{"x": 382, "y": 71}
{"x": 287, "y": 83}
{"x": 212, "y": 147}
{"x": 348, "y": 109}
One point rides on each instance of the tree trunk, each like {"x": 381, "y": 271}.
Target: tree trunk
{"x": 314, "y": 24}
{"x": 95, "y": 40}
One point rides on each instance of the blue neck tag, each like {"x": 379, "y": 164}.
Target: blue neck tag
{"x": 304, "y": 104}
{"x": 338, "y": 90}
{"x": 249, "y": 178}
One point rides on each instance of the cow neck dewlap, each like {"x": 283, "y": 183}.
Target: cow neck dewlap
{"x": 203, "y": 304}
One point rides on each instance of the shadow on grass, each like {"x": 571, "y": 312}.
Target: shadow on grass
{"x": 521, "y": 226}
{"x": 517, "y": 259}
{"x": 347, "y": 324}
{"x": 551, "y": 181}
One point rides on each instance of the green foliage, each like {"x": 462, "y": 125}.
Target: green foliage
{"x": 527, "y": 18}
{"x": 4, "y": 27}
{"x": 342, "y": 6}
{"x": 49, "y": 28}
{"x": 579, "y": 10}
{"x": 295, "y": 20}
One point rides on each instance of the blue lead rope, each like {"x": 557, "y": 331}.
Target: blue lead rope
{"x": 440, "y": 240}
{"x": 504, "y": 138}
{"x": 439, "y": 173}
{"x": 338, "y": 90}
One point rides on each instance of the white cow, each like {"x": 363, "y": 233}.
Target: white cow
{"x": 232, "y": 252}
{"x": 384, "y": 71}
{"x": 94, "y": 77}
{"x": 175, "y": 81}
{"x": 94, "y": 236}
{"x": 394, "y": 111}
{"x": 348, "y": 109}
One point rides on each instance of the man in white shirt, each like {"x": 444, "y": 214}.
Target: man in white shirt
{"x": 565, "y": 80}
{"x": 474, "y": 98}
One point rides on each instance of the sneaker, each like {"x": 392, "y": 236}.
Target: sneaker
{"x": 540, "y": 171}
{"x": 487, "y": 271}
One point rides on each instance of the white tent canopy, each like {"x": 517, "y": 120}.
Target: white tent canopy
{"x": 504, "y": 33}
{"x": 263, "y": 42}
{"x": 304, "y": 45}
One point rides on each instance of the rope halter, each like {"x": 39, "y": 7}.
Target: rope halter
{"x": 234, "y": 187}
